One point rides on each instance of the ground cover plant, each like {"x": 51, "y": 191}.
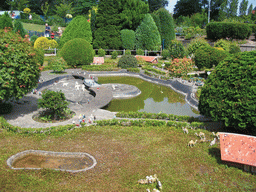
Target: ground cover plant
{"x": 160, "y": 150}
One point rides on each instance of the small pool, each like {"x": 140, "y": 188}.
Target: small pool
{"x": 153, "y": 98}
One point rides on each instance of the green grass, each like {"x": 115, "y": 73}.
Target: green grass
{"x": 124, "y": 155}
{"x": 34, "y": 27}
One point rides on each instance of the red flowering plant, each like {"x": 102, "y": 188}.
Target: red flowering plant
{"x": 19, "y": 67}
{"x": 180, "y": 67}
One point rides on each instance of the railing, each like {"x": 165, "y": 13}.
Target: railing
{"x": 146, "y": 52}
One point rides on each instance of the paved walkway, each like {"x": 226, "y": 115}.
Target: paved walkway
{"x": 27, "y": 107}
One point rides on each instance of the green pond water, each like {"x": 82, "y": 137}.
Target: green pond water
{"x": 153, "y": 98}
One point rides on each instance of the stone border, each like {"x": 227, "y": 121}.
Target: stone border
{"x": 64, "y": 154}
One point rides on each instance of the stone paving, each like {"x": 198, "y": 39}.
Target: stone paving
{"x": 26, "y": 108}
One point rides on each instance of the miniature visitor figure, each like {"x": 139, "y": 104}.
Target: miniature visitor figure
{"x": 47, "y": 30}
{"x": 59, "y": 31}
{"x": 52, "y": 35}
{"x": 30, "y": 17}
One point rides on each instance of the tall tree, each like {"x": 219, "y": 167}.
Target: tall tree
{"x": 187, "y": 7}
{"x": 243, "y": 7}
{"x": 250, "y": 10}
{"x": 233, "y": 8}
{"x": 156, "y": 4}
{"x": 64, "y": 8}
{"x": 224, "y": 10}
{"x": 82, "y": 7}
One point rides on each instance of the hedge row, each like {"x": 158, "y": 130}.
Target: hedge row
{"x": 147, "y": 122}
{"x": 153, "y": 70}
{"x": 99, "y": 68}
{"x": 134, "y": 70}
{"x": 221, "y": 30}
{"x": 164, "y": 116}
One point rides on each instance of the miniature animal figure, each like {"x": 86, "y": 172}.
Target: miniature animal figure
{"x": 213, "y": 142}
{"x": 201, "y": 135}
{"x": 185, "y": 130}
{"x": 143, "y": 181}
{"x": 77, "y": 87}
{"x": 159, "y": 185}
{"x": 192, "y": 143}
{"x": 155, "y": 190}
{"x": 65, "y": 84}
{"x": 148, "y": 190}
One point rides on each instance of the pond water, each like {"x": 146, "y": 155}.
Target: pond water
{"x": 153, "y": 98}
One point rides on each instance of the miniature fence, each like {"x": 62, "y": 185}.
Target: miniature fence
{"x": 122, "y": 52}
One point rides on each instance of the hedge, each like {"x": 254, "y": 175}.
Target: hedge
{"x": 154, "y": 70}
{"x": 99, "y": 68}
{"x": 221, "y": 30}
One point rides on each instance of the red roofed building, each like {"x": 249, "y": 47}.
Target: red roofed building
{"x": 149, "y": 59}
{"x": 98, "y": 60}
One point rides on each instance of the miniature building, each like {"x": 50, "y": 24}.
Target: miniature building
{"x": 149, "y": 59}
{"x": 98, "y": 60}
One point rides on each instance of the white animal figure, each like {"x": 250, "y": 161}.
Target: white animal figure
{"x": 192, "y": 143}
{"x": 213, "y": 142}
{"x": 143, "y": 181}
{"x": 76, "y": 83}
{"x": 148, "y": 190}
{"x": 159, "y": 185}
{"x": 201, "y": 135}
{"x": 113, "y": 87}
{"x": 218, "y": 135}
{"x": 185, "y": 130}
{"x": 83, "y": 88}
{"x": 77, "y": 87}
{"x": 155, "y": 190}
{"x": 65, "y": 84}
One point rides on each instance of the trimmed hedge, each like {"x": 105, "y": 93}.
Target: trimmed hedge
{"x": 154, "y": 70}
{"x": 221, "y": 30}
{"x": 127, "y": 61}
{"x": 134, "y": 70}
{"x": 99, "y": 68}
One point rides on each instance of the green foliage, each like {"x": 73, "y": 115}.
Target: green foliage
{"x": 157, "y": 71}
{"x": 147, "y": 35}
{"x": 165, "y": 26}
{"x": 134, "y": 70}
{"x": 195, "y": 44}
{"x": 229, "y": 93}
{"x": 41, "y": 43}
{"x": 223, "y": 44}
{"x": 5, "y": 108}
{"x": 234, "y": 48}
{"x": 57, "y": 64}
{"x": 52, "y": 44}
{"x": 127, "y": 61}
{"x": 19, "y": 69}
{"x": 176, "y": 49}
{"x": 206, "y": 57}
{"x": 77, "y": 52}
{"x": 56, "y": 21}
{"x": 221, "y": 30}
{"x": 165, "y": 53}
{"x": 79, "y": 27}
{"x": 187, "y": 8}
{"x": 53, "y": 101}
{"x": 18, "y": 28}
{"x": 39, "y": 56}
{"x": 33, "y": 39}
{"x": 64, "y": 8}
{"x": 5, "y": 21}
{"x": 139, "y": 52}
{"x": 114, "y": 54}
{"x": 193, "y": 32}
{"x": 99, "y": 67}
{"x": 101, "y": 52}
{"x": 180, "y": 67}
{"x": 128, "y": 52}
{"x": 128, "y": 39}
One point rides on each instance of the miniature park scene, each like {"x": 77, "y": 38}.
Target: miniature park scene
{"x": 128, "y": 95}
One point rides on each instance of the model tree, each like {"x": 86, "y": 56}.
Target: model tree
{"x": 229, "y": 94}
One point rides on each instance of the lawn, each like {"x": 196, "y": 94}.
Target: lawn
{"x": 124, "y": 155}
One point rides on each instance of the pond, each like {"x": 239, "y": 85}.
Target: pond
{"x": 153, "y": 98}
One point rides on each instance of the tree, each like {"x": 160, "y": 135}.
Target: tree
{"x": 5, "y": 21}
{"x": 229, "y": 94}
{"x": 53, "y": 101}
{"x": 250, "y": 10}
{"x": 18, "y": 4}
{"x": 243, "y": 7}
{"x": 45, "y": 8}
{"x": 165, "y": 26}
{"x": 63, "y": 9}
{"x": 233, "y": 8}
{"x": 147, "y": 35}
{"x": 82, "y": 7}
{"x": 79, "y": 27}
{"x": 18, "y": 28}
{"x": 19, "y": 69}
{"x": 187, "y": 8}
{"x": 224, "y": 11}
{"x": 128, "y": 39}
{"x": 154, "y": 5}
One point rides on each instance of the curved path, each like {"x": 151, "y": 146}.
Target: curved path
{"x": 27, "y": 107}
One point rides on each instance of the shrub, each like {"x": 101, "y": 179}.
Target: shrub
{"x": 223, "y": 44}
{"x": 180, "y": 67}
{"x": 234, "y": 48}
{"x": 229, "y": 94}
{"x": 39, "y": 56}
{"x": 56, "y": 20}
{"x": 134, "y": 70}
{"x": 195, "y": 44}
{"x": 41, "y": 43}
{"x": 79, "y": 27}
{"x": 33, "y": 39}
{"x": 57, "y": 64}
{"x": 114, "y": 54}
{"x": 127, "y": 61}
{"x": 19, "y": 69}
{"x": 217, "y": 56}
{"x": 165, "y": 53}
{"x": 101, "y": 52}
{"x": 128, "y": 39}
{"x": 176, "y": 49}
{"x": 26, "y": 10}
{"x": 128, "y": 52}
{"x": 18, "y": 28}
{"x": 139, "y": 52}
{"x": 222, "y": 30}
{"x": 52, "y": 44}
{"x": 5, "y": 21}
{"x": 77, "y": 52}
{"x": 53, "y": 101}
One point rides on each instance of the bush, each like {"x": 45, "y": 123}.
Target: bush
{"x": 57, "y": 64}
{"x": 196, "y": 44}
{"x": 128, "y": 39}
{"x": 134, "y": 70}
{"x": 176, "y": 49}
{"x": 79, "y": 27}
{"x": 223, "y": 44}
{"x": 101, "y": 52}
{"x": 41, "y": 43}
{"x": 40, "y": 56}
{"x": 114, "y": 54}
{"x": 128, "y": 52}
{"x": 33, "y": 39}
{"x": 19, "y": 68}
{"x": 77, "y": 52}
{"x": 139, "y": 52}
{"x": 56, "y": 20}
{"x": 229, "y": 94}
{"x": 99, "y": 67}
{"x": 18, "y": 28}
{"x": 127, "y": 61}
{"x": 165, "y": 53}
{"x": 52, "y": 44}
{"x": 180, "y": 67}
{"x": 234, "y": 48}
{"x": 221, "y": 30}
{"x": 5, "y": 21}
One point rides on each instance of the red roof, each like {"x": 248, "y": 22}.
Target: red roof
{"x": 98, "y": 60}
{"x": 238, "y": 148}
{"x": 149, "y": 59}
